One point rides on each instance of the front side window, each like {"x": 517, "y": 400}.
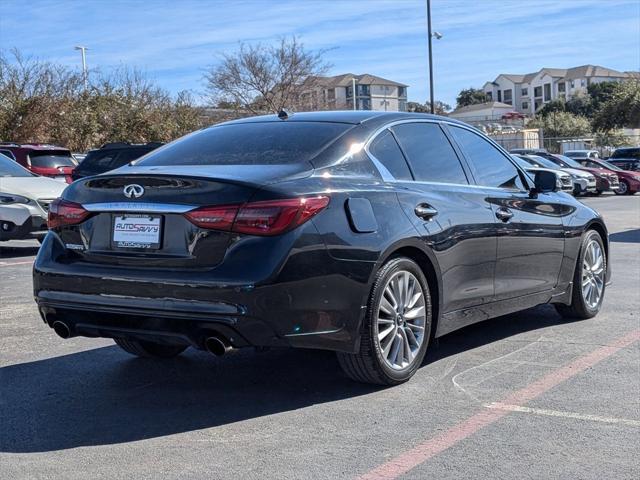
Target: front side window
{"x": 431, "y": 156}
{"x": 491, "y": 167}
{"x": 385, "y": 148}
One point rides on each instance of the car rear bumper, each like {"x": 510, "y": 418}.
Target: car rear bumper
{"x": 33, "y": 227}
{"x": 291, "y": 307}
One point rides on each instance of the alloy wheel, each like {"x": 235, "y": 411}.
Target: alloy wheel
{"x": 401, "y": 320}
{"x": 593, "y": 266}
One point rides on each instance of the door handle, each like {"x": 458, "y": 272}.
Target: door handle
{"x": 425, "y": 211}
{"x": 504, "y": 214}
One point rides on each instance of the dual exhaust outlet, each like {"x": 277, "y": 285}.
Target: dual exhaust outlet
{"x": 215, "y": 345}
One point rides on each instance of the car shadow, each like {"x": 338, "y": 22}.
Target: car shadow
{"x": 17, "y": 252}
{"x": 103, "y": 396}
{"x": 628, "y": 236}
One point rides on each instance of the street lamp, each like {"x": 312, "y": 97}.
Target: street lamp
{"x": 437, "y": 36}
{"x": 84, "y": 63}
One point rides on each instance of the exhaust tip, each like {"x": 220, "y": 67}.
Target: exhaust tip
{"x": 61, "y": 329}
{"x": 217, "y": 346}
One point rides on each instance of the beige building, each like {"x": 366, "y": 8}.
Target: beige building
{"x": 372, "y": 93}
{"x": 527, "y": 93}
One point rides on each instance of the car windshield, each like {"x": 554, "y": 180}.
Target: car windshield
{"x": 51, "y": 160}
{"x": 576, "y": 154}
{"x": 543, "y": 162}
{"x": 256, "y": 143}
{"x": 611, "y": 166}
{"x": 565, "y": 162}
{"x": 522, "y": 162}
{"x": 9, "y": 168}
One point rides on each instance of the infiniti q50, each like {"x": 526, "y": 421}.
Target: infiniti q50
{"x": 366, "y": 233}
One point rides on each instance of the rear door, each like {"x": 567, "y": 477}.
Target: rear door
{"x": 530, "y": 230}
{"x": 451, "y": 215}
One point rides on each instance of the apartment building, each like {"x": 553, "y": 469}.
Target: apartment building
{"x": 371, "y": 93}
{"x": 529, "y": 92}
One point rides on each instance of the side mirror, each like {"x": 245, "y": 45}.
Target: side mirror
{"x": 545, "y": 182}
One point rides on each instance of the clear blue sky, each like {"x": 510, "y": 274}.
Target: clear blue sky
{"x": 173, "y": 41}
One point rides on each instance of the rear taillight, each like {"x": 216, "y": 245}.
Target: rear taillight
{"x": 63, "y": 212}
{"x": 270, "y": 217}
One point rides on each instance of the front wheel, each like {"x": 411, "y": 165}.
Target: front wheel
{"x": 623, "y": 188}
{"x": 396, "y": 329}
{"x": 588, "y": 279}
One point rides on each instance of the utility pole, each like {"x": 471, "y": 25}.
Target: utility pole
{"x": 353, "y": 83}
{"x": 438, "y": 36}
{"x": 84, "y": 65}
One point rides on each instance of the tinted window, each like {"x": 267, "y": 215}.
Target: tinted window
{"x": 430, "y": 154}
{"x": 386, "y": 150}
{"x": 127, "y": 156}
{"x": 8, "y": 153}
{"x": 492, "y": 168}
{"x": 51, "y": 160}
{"x": 99, "y": 160}
{"x": 627, "y": 153}
{"x": 250, "y": 144}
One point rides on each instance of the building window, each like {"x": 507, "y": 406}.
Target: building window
{"x": 363, "y": 90}
{"x": 402, "y": 105}
{"x": 507, "y": 97}
{"x": 524, "y": 92}
{"x": 490, "y": 95}
{"x": 583, "y": 83}
{"x": 573, "y": 84}
{"x": 536, "y": 105}
{"x": 547, "y": 92}
{"x": 537, "y": 92}
{"x": 499, "y": 95}
{"x": 402, "y": 91}
{"x": 562, "y": 87}
{"x": 364, "y": 104}
{"x": 525, "y": 105}
{"x": 331, "y": 94}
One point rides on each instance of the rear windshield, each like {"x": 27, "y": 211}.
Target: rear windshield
{"x": 51, "y": 160}
{"x": 249, "y": 144}
{"x": 627, "y": 153}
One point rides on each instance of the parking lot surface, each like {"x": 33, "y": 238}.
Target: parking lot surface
{"x": 522, "y": 396}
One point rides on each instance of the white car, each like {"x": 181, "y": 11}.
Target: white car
{"x": 24, "y": 201}
{"x": 563, "y": 179}
{"x": 583, "y": 182}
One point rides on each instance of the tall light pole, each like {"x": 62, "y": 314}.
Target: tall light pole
{"x": 438, "y": 36}
{"x": 353, "y": 83}
{"x": 84, "y": 64}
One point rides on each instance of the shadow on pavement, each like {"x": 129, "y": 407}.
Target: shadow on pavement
{"x": 628, "y": 236}
{"x": 103, "y": 396}
{"x": 17, "y": 252}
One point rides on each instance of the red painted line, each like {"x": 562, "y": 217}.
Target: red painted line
{"x": 430, "y": 448}
{"x": 8, "y": 264}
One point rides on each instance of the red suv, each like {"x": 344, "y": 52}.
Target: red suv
{"x": 629, "y": 181}
{"x": 41, "y": 159}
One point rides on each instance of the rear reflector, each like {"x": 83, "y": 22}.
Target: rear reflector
{"x": 63, "y": 212}
{"x": 270, "y": 217}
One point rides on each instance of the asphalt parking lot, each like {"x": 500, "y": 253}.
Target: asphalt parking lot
{"x": 522, "y": 396}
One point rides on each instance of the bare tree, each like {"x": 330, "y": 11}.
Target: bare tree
{"x": 263, "y": 78}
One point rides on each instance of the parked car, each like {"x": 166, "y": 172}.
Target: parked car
{"x": 627, "y": 158}
{"x": 43, "y": 159}
{"x": 581, "y": 154}
{"x": 79, "y": 157}
{"x": 528, "y": 151}
{"x": 629, "y": 181}
{"x": 563, "y": 180}
{"x": 111, "y": 156}
{"x": 605, "y": 180}
{"x": 368, "y": 233}
{"x": 24, "y": 201}
{"x": 583, "y": 182}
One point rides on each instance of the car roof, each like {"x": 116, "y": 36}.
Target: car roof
{"x": 33, "y": 146}
{"x": 354, "y": 117}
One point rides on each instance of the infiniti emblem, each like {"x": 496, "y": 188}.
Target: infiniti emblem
{"x": 133, "y": 190}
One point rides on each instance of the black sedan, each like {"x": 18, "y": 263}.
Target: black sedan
{"x": 366, "y": 233}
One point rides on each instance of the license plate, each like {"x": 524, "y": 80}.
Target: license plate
{"x": 136, "y": 231}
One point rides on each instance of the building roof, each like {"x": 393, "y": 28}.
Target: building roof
{"x": 344, "y": 80}
{"x": 481, "y": 106}
{"x": 583, "y": 71}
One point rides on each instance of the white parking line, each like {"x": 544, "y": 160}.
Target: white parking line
{"x": 8, "y": 264}
{"x": 557, "y": 413}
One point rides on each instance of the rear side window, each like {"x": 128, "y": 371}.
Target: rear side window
{"x": 99, "y": 160}
{"x": 491, "y": 167}
{"x": 429, "y": 153}
{"x": 127, "y": 156}
{"x": 627, "y": 153}
{"x": 266, "y": 143}
{"x": 385, "y": 148}
{"x": 50, "y": 160}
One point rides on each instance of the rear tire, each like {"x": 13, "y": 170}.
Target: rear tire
{"x": 149, "y": 349}
{"x": 589, "y": 279}
{"x": 396, "y": 329}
